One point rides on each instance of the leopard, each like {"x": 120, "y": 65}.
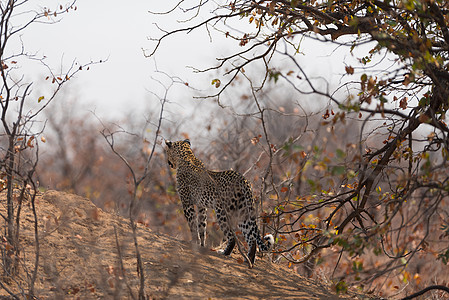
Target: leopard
{"x": 228, "y": 193}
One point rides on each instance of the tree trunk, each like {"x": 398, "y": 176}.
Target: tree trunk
{"x": 10, "y": 236}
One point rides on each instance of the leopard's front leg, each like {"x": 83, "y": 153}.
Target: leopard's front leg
{"x": 202, "y": 222}
{"x": 189, "y": 212}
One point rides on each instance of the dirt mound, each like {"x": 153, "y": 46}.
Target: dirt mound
{"x": 82, "y": 248}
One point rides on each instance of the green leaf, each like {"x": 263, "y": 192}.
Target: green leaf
{"x": 341, "y": 287}
{"x": 340, "y": 153}
{"x": 338, "y": 170}
{"x": 364, "y": 77}
{"x": 444, "y": 257}
{"x": 216, "y": 82}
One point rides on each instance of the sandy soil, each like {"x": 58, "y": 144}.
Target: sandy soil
{"x": 80, "y": 259}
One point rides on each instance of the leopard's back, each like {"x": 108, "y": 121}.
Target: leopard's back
{"x": 227, "y": 192}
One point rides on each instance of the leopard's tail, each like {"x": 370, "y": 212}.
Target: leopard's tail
{"x": 266, "y": 244}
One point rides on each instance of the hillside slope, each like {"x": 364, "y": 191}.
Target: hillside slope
{"x": 79, "y": 258}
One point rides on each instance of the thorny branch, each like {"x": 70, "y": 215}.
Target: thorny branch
{"x": 400, "y": 102}
{"x": 137, "y": 181}
{"x": 20, "y": 128}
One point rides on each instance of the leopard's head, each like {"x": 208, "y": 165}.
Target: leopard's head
{"x": 178, "y": 150}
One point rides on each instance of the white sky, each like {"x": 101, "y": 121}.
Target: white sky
{"x": 113, "y": 30}
{"x": 124, "y": 84}
{"x": 99, "y": 30}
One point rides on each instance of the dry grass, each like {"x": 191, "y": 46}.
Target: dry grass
{"x": 79, "y": 259}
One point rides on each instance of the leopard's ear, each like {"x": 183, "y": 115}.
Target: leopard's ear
{"x": 168, "y": 143}
{"x": 187, "y": 141}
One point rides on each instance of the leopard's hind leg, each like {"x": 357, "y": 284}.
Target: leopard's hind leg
{"x": 223, "y": 221}
{"x": 250, "y": 234}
